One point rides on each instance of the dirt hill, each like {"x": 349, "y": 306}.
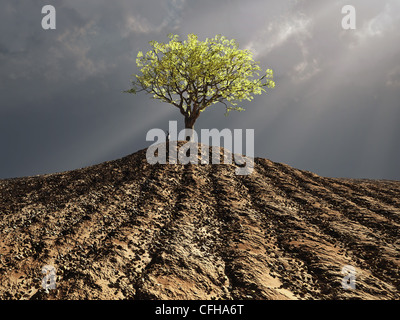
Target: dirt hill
{"x": 126, "y": 229}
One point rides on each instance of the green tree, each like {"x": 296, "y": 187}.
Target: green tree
{"x": 193, "y": 75}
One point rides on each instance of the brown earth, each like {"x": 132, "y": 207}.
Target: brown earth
{"x": 126, "y": 229}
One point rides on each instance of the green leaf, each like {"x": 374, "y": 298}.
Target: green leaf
{"x": 193, "y": 72}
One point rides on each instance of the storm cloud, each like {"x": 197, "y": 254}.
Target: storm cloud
{"x": 335, "y": 109}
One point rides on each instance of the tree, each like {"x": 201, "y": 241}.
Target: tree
{"x": 193, "y": 75}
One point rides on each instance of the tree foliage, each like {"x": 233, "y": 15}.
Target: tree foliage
{"x": 193, "y": 75}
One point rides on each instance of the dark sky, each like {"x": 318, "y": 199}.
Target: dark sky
{"x": 335, "y": 109}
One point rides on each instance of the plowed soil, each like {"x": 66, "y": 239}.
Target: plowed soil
{"x": 126, "y": 229}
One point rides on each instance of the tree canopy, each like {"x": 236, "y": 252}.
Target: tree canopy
{"x": 193, "y": 75}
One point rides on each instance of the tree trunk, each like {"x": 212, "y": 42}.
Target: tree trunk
{"x": 189, "y": 124}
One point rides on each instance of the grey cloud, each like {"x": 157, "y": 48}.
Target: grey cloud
{"x": 334, "y": 110}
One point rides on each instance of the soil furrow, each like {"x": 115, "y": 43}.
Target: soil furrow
{"x": 126, "y": 229}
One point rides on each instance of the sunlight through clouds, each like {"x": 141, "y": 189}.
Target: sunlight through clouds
{"x": 278, "y": 32}
{"x": 335, "y": 101}
{"x": 378, "y": 24}
{"x": 137, "y": 24}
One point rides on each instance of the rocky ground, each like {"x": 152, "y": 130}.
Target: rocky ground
{"x": 126, "y": 229}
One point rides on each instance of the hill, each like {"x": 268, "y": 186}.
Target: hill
{"x": 126, "y": 229}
